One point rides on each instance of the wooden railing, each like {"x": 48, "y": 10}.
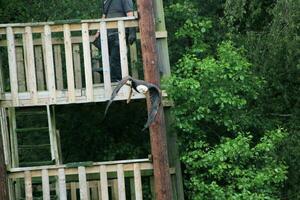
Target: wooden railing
{"x": 99, "y": 181}
{"x": 51, "y": 62}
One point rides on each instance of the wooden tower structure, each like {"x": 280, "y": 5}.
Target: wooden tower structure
{"x": 50, "y": 63}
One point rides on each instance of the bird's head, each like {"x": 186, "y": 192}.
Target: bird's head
{"x": 142, "y": 89}
{"x": 129, "y": 82}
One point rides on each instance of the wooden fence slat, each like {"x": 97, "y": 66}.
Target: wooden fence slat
{"x": 69, "y": 63}
{"x": 45, "y": 185}
{"x": 95, "y": 54}
{"x": 133, "y": 61}
{"x": 48, "y": 55}
{"x": 103, "y": 182}
{"x": 62, "y": 184}
{"x": 12, "y": 66}
{"x": 77, "y": 66}
{"x": 28, "y": 185}
{"x": 105, "y": 60}
{"x": 20, "y": 70}
{"x": 39, "y": 68}
{"x": 137, "y": 182}
{"x": 73, "y": 191}
{"x": 87, "y": 62}
{"x": 82, "y": 183}
{"x": 123, "y": 49}
{"x": 30, "y": 74}
{"x": 121, "y": 182}
{"x": 58, "y": 67}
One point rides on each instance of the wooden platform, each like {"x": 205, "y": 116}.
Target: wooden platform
{"x": 96, "y": 181}
{"x": 51, "y": 63}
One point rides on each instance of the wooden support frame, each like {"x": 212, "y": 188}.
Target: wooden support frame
{"x": 157, "y": 129}
{"x": 164, "y": 66}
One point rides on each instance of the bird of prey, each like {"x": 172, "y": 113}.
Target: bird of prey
{"x": 142, "y": 87}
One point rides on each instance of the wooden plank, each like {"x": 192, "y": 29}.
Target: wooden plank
{"x": 121, "y": 182}
{"x": 133, "y": 61}
{"x": 82, "y": 183}
{"x": 114, "y": 189}
{"x": 123, "y": 48}
{"x": 110, "y": 166}
{"x": 69, "y": 63}
{"x": 159, "y": 152}
{"x": 49, "y": 64}
{"x": 30, "y": 65}
{"x": 103, "y": 181}
{"x": 137, "y": 182}
{"x": 77, "y": 66}
{"x": 94, "y": 25}
{"x": 20, "y": 69}
{"x": 45, "y": 185}
{"x": 105, "y": 60}
{"x": 132, "y": 191}
{"x": 95, "y": 61}
{"x": 94, "y": 193}
{"x": 73, "y": 191}
{"x": 39, "y": 68}
{"x": 12, "y": 66}
{"x": 62, "y": 184}
{"x": 58, "y": 67}
{"x": 78, "y": 39}
{"x": 50, "y": 126}
{"x": 5, "y": 137}
{"x": 28, "y": 185}
{"x": 13, "y": 137}
{"x": 4, "y": 190}
{"x": 87, "y": 62}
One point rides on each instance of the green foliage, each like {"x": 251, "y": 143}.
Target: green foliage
{"x": 236, "y": 168}
{"x": 213, "y": 97}
{"x": 215, "y": 90}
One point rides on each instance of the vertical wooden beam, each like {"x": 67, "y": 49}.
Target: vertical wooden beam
{"x": 69, "y": 63}
{"x": 123, "y": 48}
{"x": 3, "y": 175}
{"x": 62, "y": 184}
{"x": 58, "y": 67}
{"x": 49, "y": 64}
{"x": 83, "y": 187}
{"x": 45, "y": 185}
{"x": 164, "y": 65}
{"x": 77, "y": 66}
{"x": 121, "y": 182}
{"x": 157, "y": 129}
{"x": 20, "y": 69}
{"x": 11, "y": 50}
{"x": 87, "y": 62}
{"x": 95, "y": 61}
{"x": 105, "y": 59}
{"x": 103, "y": 182}
{"x": 39, "y": 68}
{"x": 133, "y": 61}
{"x": 13, "y": 137}
{"x": 73, "y": 191}
{"x": 28, "y": 185}
{"x": 137, "y": 182}
{"x": 162, "y": 43}
{"x": 30, "y": 69}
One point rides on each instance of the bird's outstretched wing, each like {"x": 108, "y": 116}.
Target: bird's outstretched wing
{"x": 155, "y": 98}
{"x": 116, "y": 90}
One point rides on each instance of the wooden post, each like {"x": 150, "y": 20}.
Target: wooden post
{"x": 157, "y": 129}
{"x": 164, "y": 66}
{"x": 3, "y": 174}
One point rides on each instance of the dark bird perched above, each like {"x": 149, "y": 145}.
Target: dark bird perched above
{"x": 142, "y": 87}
